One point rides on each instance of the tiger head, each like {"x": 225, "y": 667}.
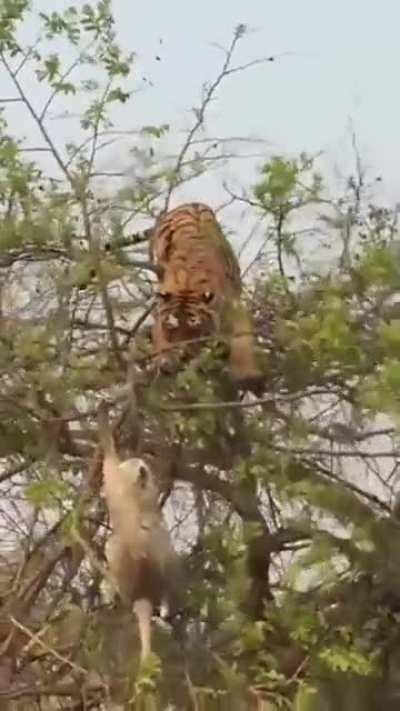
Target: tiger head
{"x": 186, "y": 314}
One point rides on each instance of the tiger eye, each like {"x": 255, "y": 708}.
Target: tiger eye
{"x": 208, "y": 296}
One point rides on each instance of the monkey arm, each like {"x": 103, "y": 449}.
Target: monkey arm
{"x": 106, "y": 438}
{"x": 110, "y": 458}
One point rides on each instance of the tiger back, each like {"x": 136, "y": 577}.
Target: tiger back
{"x": 199, "y": 288}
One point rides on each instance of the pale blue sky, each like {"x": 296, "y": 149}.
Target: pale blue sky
{"x": 346, "y": 63}
{"x": 343, "y": 62}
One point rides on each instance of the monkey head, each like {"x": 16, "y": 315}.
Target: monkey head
{"x": 139, "y": 481}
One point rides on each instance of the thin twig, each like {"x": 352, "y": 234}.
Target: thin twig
{"x": 290, "y": 397}
{"x": 36, "y": 117}
{"x": 62, "y": 79}
{"x": 225, "y": 71}
{"x": 35, "y": 638}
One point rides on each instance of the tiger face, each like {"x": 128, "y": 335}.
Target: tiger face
{"x": 190, "y": 298}
{"x": 183, "y": 318}
{"x": 189, "y": 301}
{"x": 187, "y": 314}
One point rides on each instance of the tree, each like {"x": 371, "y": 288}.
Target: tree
{"x": 280, "y": 505}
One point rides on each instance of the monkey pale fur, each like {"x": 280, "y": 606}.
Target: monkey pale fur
{"x": 141, "y": 560}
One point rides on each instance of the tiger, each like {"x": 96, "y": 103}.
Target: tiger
{"x": 199, "y": 289}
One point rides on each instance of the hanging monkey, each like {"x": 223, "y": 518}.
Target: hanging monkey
{"x": 142, "y": 562}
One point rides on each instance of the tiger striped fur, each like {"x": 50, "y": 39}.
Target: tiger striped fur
{"x": 199, "y": 288}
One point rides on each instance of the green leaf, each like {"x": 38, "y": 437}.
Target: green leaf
{"x": 156, "y": 131}
{"x": 64, "y": 87}
{"x": 46, "y": 493}
{"x": 118, "y": 95}
{"x": 306, "y": 698}
{"x": 52, "y": 66}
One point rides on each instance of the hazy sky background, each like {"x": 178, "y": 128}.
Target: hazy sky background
{"x": 346, "y": 63}
{"x": 342, "y": 62}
